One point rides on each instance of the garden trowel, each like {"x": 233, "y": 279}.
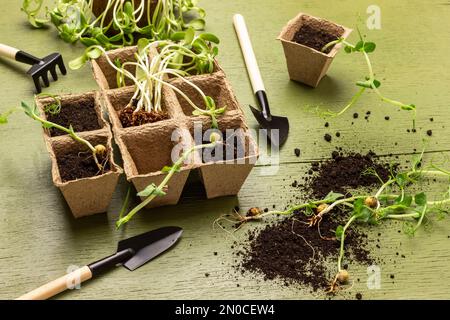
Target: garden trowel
{"x": 277, "y": 127}
{"x": 131, "y": 253}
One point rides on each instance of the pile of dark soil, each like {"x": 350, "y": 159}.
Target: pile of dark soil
{"x": 291, "y": 251}
{"x": 129, "y": 118}
{"x": 344, "y": 172}
{"x": 316, "y": 35}
{"x": 74, "y": 166}
{"x": 295, "y": 253}
{"x": 81, "y": 116}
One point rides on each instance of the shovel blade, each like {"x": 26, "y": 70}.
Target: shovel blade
{"x": 149, "y": 245}
{"x": 275, "y": 123}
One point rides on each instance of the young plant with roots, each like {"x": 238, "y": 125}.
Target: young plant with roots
{"x": 99, "y": 151}
{"x": 370, "y": 83}
{"x": 393, "y": 200}
{"x": 119, "y": 23}
{"x": 152, "y": 191}
{"x": 155, "y": 61}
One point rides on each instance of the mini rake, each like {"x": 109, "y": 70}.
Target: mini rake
{"x": 40, "y": 68}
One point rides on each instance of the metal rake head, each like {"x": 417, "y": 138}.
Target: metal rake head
{"x": 47, "y": 65}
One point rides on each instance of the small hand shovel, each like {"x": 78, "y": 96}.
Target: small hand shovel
{"x": 40, "y": 67}
{"x": 131, "y": 253}
{"x": 265, "y": 119}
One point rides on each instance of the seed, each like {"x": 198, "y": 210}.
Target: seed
{"x": 371, "y": 202}
{"x": 215, "y": 136}
{"x": 343, "y": 276}
{"x": 327, "y": 137}
{"x": 100, "y": 149}
{"x": 253, "y": 212}
{"x": 321, "y": 207}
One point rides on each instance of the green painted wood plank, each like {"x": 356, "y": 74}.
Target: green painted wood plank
{"x": 39, "y": 239}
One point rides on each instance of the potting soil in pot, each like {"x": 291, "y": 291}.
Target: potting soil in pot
{"x": 233, "y": 147}
{"x": 129, "y": 118}
{"x": 73, "y": 166}
{"x": 316, "y": 34}
{"x": 81, "y": 115}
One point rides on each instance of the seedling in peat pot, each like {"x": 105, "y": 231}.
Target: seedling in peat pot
{"x": 99, "y": 152}
{"x": 152, "y": 191}
{"x": 365, "y": 48}
{"x": 392, "y": 201}
{"x": 190, "y": 54}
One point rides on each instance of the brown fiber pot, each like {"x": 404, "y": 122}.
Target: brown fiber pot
{"x": 85, "y": 196}
{"x": 307, "y": 65}
{"x": 146, "y": 149}
{"x": 226, "y": 177}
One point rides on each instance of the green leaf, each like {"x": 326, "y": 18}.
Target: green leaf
{"x": 78, "y": 62}
{"x": 94, "y": 53}
{"x": 359, "y": 46}
{"x": 333, "y": 196}
{"x": 209, "y": 102}
{"x": 88, "y": 42}
{"x": 348, "y": 49}
{"x": 29, "y": 111}
{"x": 210, "y": 37}
{"x": 150, "y": 190}
{"x": 420, "y": 199}
{"x": 4, "y": 116}
{"x": 406, "y": 201}
{"x": 369, "y": 47}
{"x": 189, "y": 35}
{"x": 178, "y": 36}
{"x": 401, "y": 179}
{"x": 128, "y": 9}
{"x": 408, "y": 107}
{"x": 197, "y": 24}
{"x": 339, "y": 232}
{"x": 142, "y": 44}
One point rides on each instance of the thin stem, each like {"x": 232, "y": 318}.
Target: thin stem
{"x": 341, "y": 250}
{"x": 163, "y": 184}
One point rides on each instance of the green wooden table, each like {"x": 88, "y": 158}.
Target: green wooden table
{"x": 39, "y": 239}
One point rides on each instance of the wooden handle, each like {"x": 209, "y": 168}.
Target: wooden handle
{"x": 59, "y": 285}
{"x": 249, "y": 54}
{"x": 8, "y": 52}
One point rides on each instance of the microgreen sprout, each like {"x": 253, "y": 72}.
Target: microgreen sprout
{"x": 119, "y": 23}
{"x": 391, "y": 201}
{"x": 5, "y": 115}
{"x": 98, "y": 151}
{"x": 169, "y": 60}
{"x": 370, "y": 82}
{"x": 53, "y": 108}
{"x": 152, "y": 191}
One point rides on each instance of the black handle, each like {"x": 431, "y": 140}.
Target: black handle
{"x": 22, "y": 56}
{"x": 261, "y": 96}
{"x": 107, "y": 263}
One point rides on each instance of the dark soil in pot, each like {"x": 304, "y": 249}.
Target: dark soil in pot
{"x": 81, "y": 115}
{"x": 231, "y": 147}
{"x": 73, "y": 166}
{"x": 316, "y": 34}
{"x": 129, "y": 118}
